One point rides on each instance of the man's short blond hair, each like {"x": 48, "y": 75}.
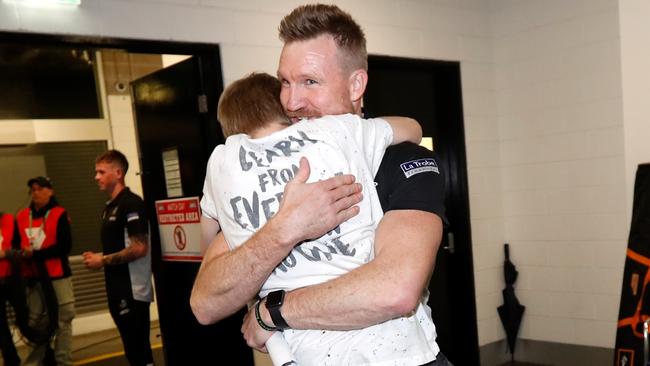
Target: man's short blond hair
{"x": 114, "y": 157}
{"x": 307, "y": 22}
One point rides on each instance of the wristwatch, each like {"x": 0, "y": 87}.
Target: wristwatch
{"x": 274, "y": 301}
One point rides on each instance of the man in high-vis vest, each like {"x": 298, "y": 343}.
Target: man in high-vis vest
{"x": 44, "y": 229}
{"x": 7, "y": 253}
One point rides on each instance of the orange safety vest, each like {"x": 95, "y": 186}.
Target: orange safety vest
{"x": 48, "y": 224}
{"x": 7, "y": 230}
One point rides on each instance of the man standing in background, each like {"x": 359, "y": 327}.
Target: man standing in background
{"x": 7, "y": 251}
{"x": 44, "y": 229}
{"x": 126, "y": 258}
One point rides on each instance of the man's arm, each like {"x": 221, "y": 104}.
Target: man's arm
{"x": 406, "y": 245}
{"x": 138, "y": 248}
{"x": 390, "y": 286}
{"x": 15, "y": 245}
{"x": 227, "y": 280}
{"x": 137, "y": 228}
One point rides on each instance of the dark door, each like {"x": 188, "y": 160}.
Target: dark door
{"x": 430, "y": 92}
{"x": 175, "y": 108}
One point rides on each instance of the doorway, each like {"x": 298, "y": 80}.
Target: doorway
{"x": 179, "y": 324}
{"x": 183, "y": 119}
{"x": 430, "y": 92}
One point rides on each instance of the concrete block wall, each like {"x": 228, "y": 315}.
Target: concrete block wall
{"x": 559, "y": 93}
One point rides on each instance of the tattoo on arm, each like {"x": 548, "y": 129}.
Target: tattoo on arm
{"x": 137, "y": 249}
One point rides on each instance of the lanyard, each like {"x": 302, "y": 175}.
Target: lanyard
{"x": 41, "y": 228}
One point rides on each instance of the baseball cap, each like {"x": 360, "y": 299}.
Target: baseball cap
{"x": 41, "y": 181}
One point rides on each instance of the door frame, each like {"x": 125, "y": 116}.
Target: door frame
{"x": 450, "y": 147}
{"x": 131, "y": 45}
{"x": 180, "y": 123}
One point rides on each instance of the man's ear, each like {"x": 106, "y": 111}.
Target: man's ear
{"x": 119, "y": 172}
{"x": 358, "y": 81}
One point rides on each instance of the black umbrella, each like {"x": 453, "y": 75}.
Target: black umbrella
{"x": 511, "y": 311}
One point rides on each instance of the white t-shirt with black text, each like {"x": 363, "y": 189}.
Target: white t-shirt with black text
{"x": 243, "y": 188}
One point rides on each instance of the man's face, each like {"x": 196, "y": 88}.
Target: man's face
{"x": 40, "y": 195}
{"x": 313, "y": 83}
{"x": 106, "y": 176}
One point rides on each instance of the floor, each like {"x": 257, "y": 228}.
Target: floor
{"x": 105, "y": 349}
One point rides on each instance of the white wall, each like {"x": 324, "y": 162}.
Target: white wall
{"x": 168, "y": 60}
{"x": 635, "y": 33}
{"x": 16, "y": 132}
{"x": 558, "y": 81}
{"x": 124, "y": 138}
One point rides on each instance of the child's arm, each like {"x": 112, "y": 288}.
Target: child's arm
{"x": 209, "y": 230}
{"x": 404, "y": 129}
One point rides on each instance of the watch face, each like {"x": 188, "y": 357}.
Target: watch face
{"x": 274, "y": 302}
{"x": 275, "y": 298}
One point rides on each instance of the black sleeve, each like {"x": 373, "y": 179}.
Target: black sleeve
{"x": 135, "y": 218}
{"x": 15, "y": 241}
{"x": 63, "y": 244}
{"x": 410, "y": 178}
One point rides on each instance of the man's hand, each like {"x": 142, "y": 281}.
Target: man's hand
{"x": 26, "y": 253}
{"x": 254, "y": 335}
{"x": 310, "y": 210}
{"x": 93, "y": 260}
{"x": 16, "y": 253}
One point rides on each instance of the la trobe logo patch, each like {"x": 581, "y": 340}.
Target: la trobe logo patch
{"x": 413, "y": 167}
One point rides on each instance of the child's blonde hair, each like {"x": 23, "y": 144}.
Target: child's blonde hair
{"x": 250, "y": 103}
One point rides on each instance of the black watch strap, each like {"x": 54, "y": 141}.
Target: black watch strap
{"x": 274, "y": 301}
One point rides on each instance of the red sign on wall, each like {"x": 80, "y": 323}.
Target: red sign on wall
{"x": 179, "y": 223}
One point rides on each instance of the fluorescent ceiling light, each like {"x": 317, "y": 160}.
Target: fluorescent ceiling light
{"x": 45, "y": 2}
